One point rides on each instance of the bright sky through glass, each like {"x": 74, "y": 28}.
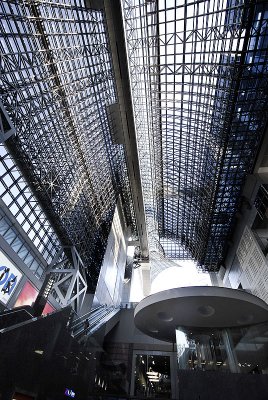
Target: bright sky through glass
{"x": 183, "y": 60}
{"x": 186, "y": 274}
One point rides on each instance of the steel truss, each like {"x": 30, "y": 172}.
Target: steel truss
{"x": 57, "y": 81}
{"x": 65, "y": 279}
{"x": 199, "y": 83}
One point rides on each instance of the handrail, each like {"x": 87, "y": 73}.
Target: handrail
{"x": 30, "y": 321}
{"x": 89, "y": 316}
{"x": 95, "y": 320}
{"x": 91, "y": 310}
{"x": 83, "y": 317}
{"x": 101, "y": 319}
{"x": 91, "y": 321}
{"x": 15, "y": 311}
{"x": 128, "y": 304}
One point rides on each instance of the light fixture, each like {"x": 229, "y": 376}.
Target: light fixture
{"x": 39, "y": 352}
{"x": 152, "y": 373}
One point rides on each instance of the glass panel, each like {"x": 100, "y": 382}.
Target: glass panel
{"x": 29, "y": 259}
{"x": 34, "y": 265}
{"x": 23, "y": 252}
{"x": 16, "y": 245}
{"x": 9, "y": 236}
{"x": 237, "y": 350}
{"x": 152, "y": 376}
{"x": 4, "y": 226}
{"x": 39, "y": 272}
{"x": 25, "y": 213}
{"x": 20, "y": 218}
{"x": 58, "y": 170}
{"x": 14, "y": 190}
{"x": 183, "y": 65}
{"x": 14, "y": 208}
{"x": 204, "y": 351}
{"x": 2, "y": 188}
{"x": 7, "y": 199}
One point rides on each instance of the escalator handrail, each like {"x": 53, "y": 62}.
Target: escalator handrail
{"x": 83, "y": 317}
{"x": 80, "y": 323}
{"x": 91, "y": 321}
{"x": 96, "y": 321}
{"x": 16, "y": 311}
{"x": 31, "y": 320}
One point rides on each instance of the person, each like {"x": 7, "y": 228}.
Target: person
{"x": 86, "y": 325}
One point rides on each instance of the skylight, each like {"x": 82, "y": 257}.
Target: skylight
{"x": 196, "y": 68}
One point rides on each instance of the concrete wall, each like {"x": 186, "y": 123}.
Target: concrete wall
{"x": 245, "y": 262}
{"x": 126, "y": 332}
{"x": 125, "y": 341}
{"x": 110, "y": 283}
{"x": 252, "y": 266}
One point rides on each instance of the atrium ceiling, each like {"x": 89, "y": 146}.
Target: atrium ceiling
{"x": 199, "y": 88}
{"x": 198, "y": 81}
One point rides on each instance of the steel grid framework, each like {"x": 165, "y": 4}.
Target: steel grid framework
{"x": 261, "y": 203}
{"x": 199, "y": 84}
{"x": 56, "y": 83}
{"x": 16, "y": 194}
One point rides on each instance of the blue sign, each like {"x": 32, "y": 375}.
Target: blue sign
{"x": 69, "y": 393}
{"x": 9, "y": 278}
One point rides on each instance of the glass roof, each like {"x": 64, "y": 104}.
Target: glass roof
{"x": 199, "y": 84}
{"x": 57, "y": 84}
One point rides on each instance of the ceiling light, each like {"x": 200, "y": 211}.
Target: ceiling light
{"x": 39, "y": 351}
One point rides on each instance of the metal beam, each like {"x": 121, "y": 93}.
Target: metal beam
{"x": 115, "y": 26}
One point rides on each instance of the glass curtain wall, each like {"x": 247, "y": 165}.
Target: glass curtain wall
{"x": 152, "y": 376}
{"x": 237, "y": 350}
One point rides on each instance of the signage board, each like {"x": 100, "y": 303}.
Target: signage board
{"x": 27, "y": 295}
{"x": 9, "y": 278}
{"x": 69, "y": 393}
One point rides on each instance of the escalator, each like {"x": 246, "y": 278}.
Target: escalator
{"x": 46, "y": 354}
{"x": 90, "y": 322}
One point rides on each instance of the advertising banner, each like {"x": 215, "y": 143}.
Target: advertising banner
{"x": 9, "y": 278}
{"x": 27, "y": 295}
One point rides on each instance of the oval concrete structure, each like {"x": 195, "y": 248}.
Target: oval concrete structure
{"x": 201, "y": 307}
